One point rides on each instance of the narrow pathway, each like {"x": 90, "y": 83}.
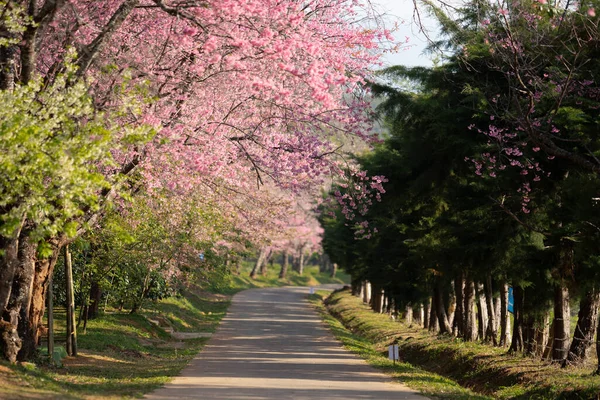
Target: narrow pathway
{"x": 273, "y": 345}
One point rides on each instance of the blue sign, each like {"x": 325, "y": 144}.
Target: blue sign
{"x": 511, "y": 300}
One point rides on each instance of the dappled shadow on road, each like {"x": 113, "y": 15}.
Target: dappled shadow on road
{"x": 216, "y": 392}
{"x": 272, "y": 345}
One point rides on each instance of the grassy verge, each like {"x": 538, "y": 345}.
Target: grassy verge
{"x": 310, "y": 277}
{"x": 125, "y": 355}
{"x": 428, "y": 383}
{"x": 120, "y": 355}
{"x": 485, "y": 370}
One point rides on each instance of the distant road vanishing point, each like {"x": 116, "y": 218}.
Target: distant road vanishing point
{"x": 273, "y": 345}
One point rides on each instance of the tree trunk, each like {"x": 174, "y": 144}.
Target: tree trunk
{"x": 27, "y": 51}
{"x": 459, "y": 316}
{"x": 85, "y": 300}
{"x": 356, "y": 287}
{"x": 535, "y": 331}
{"x": 295, "y": 262}
{"x": 426, "y": 314}
{"x": 562, "y": 311}
{"x": 497, "y": 314}
{"x": 562, "y": 323}
{"x": 238, "y": 265}
{"x": 504, "y": 320}
{"x": 408, "y": 315}
{"x": 71, "y": 329}
{"x": 284, "y": 265}
{"x": 50, "y": 321}
{"x": 334, "y": 268}
{"x": 377, "y": 299}
{"x": 8, "y": 267}
{"x": 323, "y": 263}
{"x": 470, "y": 318}
{"x": 440, "y": 309}
{"x": 482, "y": 317}
{"x": 541, "y": 335}
{"x": 85, "y": 318}
{"x": 517, "y": 344}
{"x": 528, "y": 334}
{"x": 420, "y": 317}
{"x": 547, "y": 355}
{"x": 433, "y": 321}
{"x": 587, "y": 319}
{"x": 10, "y": 343}
{"x": 262, "y": 271}
{"x": 95, "y": 46}
{"x": 385, "y": 303}
{"x": 94, "y": 303}
{"x": 598, "y": 348}
{"x": 15, "y": 332}
{"x": 301, "y": 261}
{"x": 490, "y": 334}
{"x": 268, "y": 261}
{"x": 261, "y": 259}
{"x": 391, "y": 305}
{"x": 451, "y": 306}
{"x": 366, "y": 292}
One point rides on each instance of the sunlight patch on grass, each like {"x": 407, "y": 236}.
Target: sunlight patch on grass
{"x": 310, "y": 277}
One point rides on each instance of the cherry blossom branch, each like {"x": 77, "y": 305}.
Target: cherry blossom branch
{"x": 89, "y": 52}
{"x": 517, "y": 219}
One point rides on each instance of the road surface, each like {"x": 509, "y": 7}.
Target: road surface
{"x": 273, "y": 345}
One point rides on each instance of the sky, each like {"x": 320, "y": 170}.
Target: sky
{"x": 402, "y": 11}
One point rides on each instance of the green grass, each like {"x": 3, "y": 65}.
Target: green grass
{"x": 120, "y": 356}
{"x": 192, "y": 312}
{"x": 487, "y": 370}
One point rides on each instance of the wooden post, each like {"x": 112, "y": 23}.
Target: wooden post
{"x": 50, "y": 321}
{"x": 71, "y": 330}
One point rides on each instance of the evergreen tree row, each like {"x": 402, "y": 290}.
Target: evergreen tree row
{"x": 492, "y": 163}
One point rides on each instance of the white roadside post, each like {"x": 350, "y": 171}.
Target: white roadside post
{"x": 394, "y": 353}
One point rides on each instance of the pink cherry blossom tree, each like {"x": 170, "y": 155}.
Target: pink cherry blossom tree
{"x": 242, "y": 93}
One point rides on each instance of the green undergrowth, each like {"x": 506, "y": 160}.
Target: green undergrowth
{"x": 488, "y": 371}
{"x": 310, "y": 277}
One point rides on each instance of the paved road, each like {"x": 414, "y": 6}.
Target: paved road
{"x": 273, "y": 345}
